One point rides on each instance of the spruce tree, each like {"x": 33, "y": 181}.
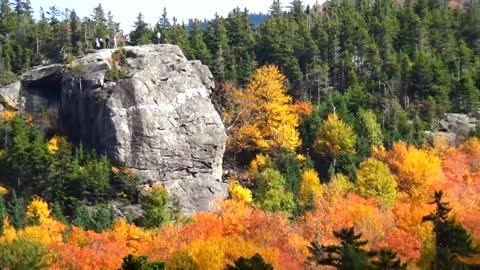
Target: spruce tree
{"x": 178, "y": 35}
{"x": 387, "y": 260}
{"x": 276, "y": 8}
{"x": 255, "y": 262}
{"x": 198, "y": 45}
{"x": 3, "y": 212}
{"x": 16, "y": 209}
{"x": 76, "y": 35}
{"x": 242, "y": 41}
{"x": 141, "y": 34}
{"x": 223, "y": 63}
{"x": 350, "y": 255}
{"x": 451, "y": 239}
{"x": 57, "y": 213}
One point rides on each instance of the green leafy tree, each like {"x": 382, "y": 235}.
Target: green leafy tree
{"x": 370, "y": 128}
{"x": 24, "y": 254}
{"x": 271, "y": 193}
{"x": 374, "y": 180}
{"x": 335, "y": 138}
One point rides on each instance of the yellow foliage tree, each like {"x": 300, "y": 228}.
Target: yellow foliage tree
{"x": 53, "y": 144}
{"x": 416, "y": 170}
{"x": 261, "y": 116}
{"x": 8, "y": 115}
{"x": 239, "y": 193}
{"x": 338, "y": 187}
{"x": 3, "y": 190}
{"x": 258, "y": 164}
{"x": 374, "y": 180}
{"x": 310, "y": 187}
{"x": 37, "y": 211}
{"x": 335, "y": 138}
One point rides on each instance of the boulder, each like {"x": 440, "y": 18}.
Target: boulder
{"x": 460, "y": 124}
{"x": 159, "y": 121}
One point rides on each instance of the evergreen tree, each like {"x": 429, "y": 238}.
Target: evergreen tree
{"x": 16, "y": 209}
{"x": 223, "y": 63}
{"x": 469, "y": 26}
{"x": 255, "y": 262}
{"x": 3, "y": 213}
{"x": 57, "y": 213}
{"x": 164, "y": 22}
{"x": 289, "y": 166}
{"x": 275, "y": 45}
{"x": 101, "y": 27}
{"x": 387, "y": 260}
{"x": 242, "y": 41}
{"x": 76, "y": 33}
{"x": 466, "y": 97}
{"x": 113, "y": 27}
{"x": 132, "y": 262}
{"x": 155, "y": 205}
{"x": 141, "y": 34}
{"x": 350, "y": 255}
{"x": 97, "y": 218}
{"x": 276, "y": 8}
{"x": 178, "y": 35}
{"x": 198, "y": 45}
{"x": 451, "y": 239}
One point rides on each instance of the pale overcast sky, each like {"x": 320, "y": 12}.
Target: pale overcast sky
{"x": 125, "y": 12}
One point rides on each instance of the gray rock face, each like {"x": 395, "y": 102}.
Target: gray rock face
{"x": 160, "y": 122}
{"x": 454, "y": 128}
{"x": 460, "y": 124}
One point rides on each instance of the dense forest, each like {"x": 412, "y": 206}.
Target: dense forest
{"x": 327, "y": 111}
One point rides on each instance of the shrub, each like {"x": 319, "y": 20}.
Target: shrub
{"x": 7, "y": 77}
{"x": 25, "y": 254}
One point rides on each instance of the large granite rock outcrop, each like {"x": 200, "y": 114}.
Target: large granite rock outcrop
{"x": 454, "y": 128}
{"x": 160, "y": 121}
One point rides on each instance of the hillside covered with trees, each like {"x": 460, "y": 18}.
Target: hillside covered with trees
{"x": 329, "y": 163}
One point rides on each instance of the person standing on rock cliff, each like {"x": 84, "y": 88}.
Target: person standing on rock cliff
{"x": 97, "y": 43}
